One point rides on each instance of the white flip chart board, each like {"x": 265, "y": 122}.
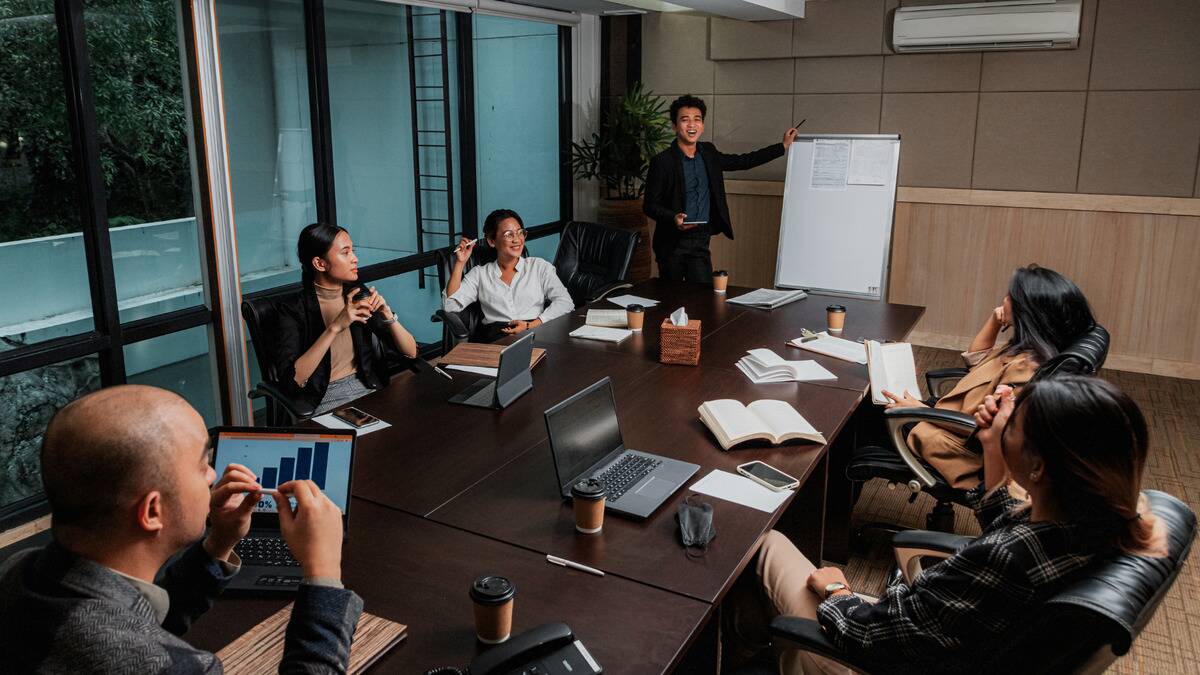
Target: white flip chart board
{"x": 835, "y": 232}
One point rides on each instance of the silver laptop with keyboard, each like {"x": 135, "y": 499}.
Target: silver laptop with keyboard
{"x": 276, "y": 456}
{"x": 585, "y": 440}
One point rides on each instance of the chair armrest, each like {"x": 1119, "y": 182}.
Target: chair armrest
{"x": 913, "y": 547}
{"x": 599, "y": 295}
{"x": 899, "y": 418}
{"x": 457, "y": 328}
{"x": 299, "y": 410}
{"x": 937, "y": 380}
{"x": 806, "y": 635}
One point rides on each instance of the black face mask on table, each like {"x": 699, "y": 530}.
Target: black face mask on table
{"x": 696, "y": 527}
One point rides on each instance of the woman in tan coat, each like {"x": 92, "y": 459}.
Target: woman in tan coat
{"x": 1047, "y": 313}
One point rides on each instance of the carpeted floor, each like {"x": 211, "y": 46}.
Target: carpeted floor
{"x": 1171, "y": 642}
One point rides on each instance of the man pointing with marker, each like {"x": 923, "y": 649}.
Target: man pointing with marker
{"x": 685, "y": 193}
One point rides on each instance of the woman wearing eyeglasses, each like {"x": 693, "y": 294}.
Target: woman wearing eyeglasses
{"x": 515, "y": 293}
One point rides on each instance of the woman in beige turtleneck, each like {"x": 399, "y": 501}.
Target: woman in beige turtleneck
{"x": 323, "y": 355}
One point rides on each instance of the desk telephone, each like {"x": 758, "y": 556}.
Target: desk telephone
{"x": 546, "y": 650}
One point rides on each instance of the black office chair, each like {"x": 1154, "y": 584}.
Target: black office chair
{"x": 262, "y": 315}
{"x": 592, "y": 260}
{"x": 1081, "y": 629}
{"x": 898, "y": 465}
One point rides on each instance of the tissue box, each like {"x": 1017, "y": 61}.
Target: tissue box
{"x": 680, "y": 344}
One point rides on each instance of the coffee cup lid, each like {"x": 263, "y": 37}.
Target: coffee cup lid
{"x": 835, "y": 308}
{"x": 588, "y": 489}
{"x": 492, "y": 590}
{"x": 720, "y": 273}
{"x": 634, "y": 308}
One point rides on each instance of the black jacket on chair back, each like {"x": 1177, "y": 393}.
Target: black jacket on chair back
{"x": 665, "y": 188}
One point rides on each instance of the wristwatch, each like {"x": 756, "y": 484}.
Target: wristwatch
{"x": 834, "y": 588}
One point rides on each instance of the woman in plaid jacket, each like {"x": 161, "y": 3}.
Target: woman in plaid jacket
{"x": 1077, "y": 447}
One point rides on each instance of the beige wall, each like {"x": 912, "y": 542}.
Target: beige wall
{"x": 1118, "y": 115}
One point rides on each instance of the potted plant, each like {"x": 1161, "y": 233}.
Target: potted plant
{"x": 634, "y": 131}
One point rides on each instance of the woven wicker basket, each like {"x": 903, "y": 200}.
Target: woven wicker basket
{"x": 680, "y": 344}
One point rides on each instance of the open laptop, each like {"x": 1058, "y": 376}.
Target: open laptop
{"x": 585, "y": 440}
{"x": 324, "y": 456}
{"x": 512, "y": 379}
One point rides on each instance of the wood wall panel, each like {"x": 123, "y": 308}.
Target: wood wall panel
{"x": 1141, "y": 271}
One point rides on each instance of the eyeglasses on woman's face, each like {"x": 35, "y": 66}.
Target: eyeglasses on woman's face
{"x": 513, "y": 235}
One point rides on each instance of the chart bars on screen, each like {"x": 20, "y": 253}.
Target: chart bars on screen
{"x": 308, "y": 464}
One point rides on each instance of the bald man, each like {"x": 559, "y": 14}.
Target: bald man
{"x": 127, "y": 473}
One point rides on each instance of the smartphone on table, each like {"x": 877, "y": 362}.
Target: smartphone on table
{"x": 355, "y": 417}
{"x": 768, "y": 476}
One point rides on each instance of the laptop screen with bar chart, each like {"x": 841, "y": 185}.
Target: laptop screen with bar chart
{"x": 276, "y": 456}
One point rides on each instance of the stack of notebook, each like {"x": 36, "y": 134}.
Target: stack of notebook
{"x": 764, "y": 366}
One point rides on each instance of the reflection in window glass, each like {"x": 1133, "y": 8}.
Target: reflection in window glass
{"x": 143, "y": 139}
{"x": 40, "y": 239}
{"x": 180, "y": 362}
{"x": 376, "y": 74}
{"x": 265, "y": 85}
{"x": 516, "y": 117}
{"x": 27, "y": 402}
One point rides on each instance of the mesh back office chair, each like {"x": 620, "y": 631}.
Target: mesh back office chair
{"x": 1083, "y": 628}
{"x": 262, "y": 316}
{"x": 592, "y": 260}
{"x": 897, "y": 464}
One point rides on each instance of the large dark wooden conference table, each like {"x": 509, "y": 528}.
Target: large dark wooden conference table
{"x": 450, "y": 492}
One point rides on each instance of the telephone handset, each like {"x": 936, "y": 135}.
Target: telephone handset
{"x": 551, "y": 649}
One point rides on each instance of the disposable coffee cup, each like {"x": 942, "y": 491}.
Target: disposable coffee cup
{"x": 493, "y": 598}
{"x": 720, "y": 281}
{"x": 835, "y": 318}
{"x": 635, "y": 315}
{"x": 588, "y": 496}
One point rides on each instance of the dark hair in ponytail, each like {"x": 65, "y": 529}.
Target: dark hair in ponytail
{"x": 1093, "y": 440}
{"x": 1049, "y": 312}
{"x": 314, "y": 242}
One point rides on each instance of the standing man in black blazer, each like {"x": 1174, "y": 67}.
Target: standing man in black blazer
{"x": 685, "y": 193}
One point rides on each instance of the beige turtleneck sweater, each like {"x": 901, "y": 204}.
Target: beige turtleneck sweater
{"x": 341, "y": 352}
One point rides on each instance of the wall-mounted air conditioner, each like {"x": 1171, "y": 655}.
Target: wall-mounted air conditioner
{"x": 987, "y": 26}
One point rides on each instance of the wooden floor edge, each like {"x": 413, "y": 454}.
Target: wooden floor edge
{"x": 1116, "y": 361}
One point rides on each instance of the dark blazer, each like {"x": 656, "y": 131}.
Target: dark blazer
{"x": 66, "y": 614}
{"x": 301, "y": 323}
{"x": 665, "y": 189}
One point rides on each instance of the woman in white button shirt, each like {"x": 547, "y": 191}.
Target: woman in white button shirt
{"x": 515, "y": 293}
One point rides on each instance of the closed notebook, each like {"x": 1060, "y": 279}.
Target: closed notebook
{"x": 831, "y": 345}
{"x": 774, "y": 421}
{"x": 891, "y": 367}
{"x": 483, "y": 355}
{"x": 589, "y": 332}
{"x": 260, "y": 650}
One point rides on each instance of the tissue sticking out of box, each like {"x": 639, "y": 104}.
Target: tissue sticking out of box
{"x": 679, "y": 317}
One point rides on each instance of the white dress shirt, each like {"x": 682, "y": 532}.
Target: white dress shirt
{"x": 533, "y": 285}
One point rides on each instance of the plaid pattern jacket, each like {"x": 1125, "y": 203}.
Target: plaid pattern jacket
{"x": 958, "y": 610}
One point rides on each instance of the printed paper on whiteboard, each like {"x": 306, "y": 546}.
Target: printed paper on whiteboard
{"x": 870, "y": 162}
{"x": 830, "y": 164}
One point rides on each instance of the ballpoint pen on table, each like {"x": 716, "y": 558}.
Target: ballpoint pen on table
{"x": 563, "y": 562}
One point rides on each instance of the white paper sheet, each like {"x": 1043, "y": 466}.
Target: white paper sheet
{"x": 870, "y": 162}
{"x": 615, "y": 335}
{"x": 330, "y": 422}
{"x": 830, "y": 163}
{"x": 740, "y": 490}
{"x": 478, "y": 370}
{"x": 627, "y": 300}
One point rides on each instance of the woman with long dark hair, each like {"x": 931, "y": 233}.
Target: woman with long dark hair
{"x": 515, "y": 293}
{"x": 1077, "y": 447}
{"x": 1047, "y": 313}
{"x": 323, "y": 352}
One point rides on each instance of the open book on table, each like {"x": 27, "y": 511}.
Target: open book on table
{"x": 770, "y": 420}
{"x": 764, "y": 366}
{"x": 891, "y": 367}
{"x": 831, "y": 345}
{"x": 607, "y": 318}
